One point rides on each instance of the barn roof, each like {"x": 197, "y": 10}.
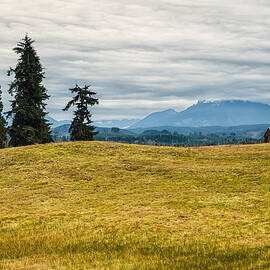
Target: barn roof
{"x": 267, "y": 133}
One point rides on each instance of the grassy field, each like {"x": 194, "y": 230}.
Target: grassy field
{"x": 101, "y": 205}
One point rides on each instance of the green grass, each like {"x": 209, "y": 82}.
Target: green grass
{"x": 94, "y": 205}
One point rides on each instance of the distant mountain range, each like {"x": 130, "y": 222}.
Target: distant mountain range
{"x": 224, "y": 113}
{"x": 216, "y": 113}
{"x": 54, "y": 123}
{"x": 122, "y": 123}
{"x": 244, "y": 118}
{"x": 64, "y": 130}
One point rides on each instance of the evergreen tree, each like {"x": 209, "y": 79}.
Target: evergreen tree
{"x": 3, "y": 129}
{"x": 81, "y": 128}
{"x": 29, "y": 125}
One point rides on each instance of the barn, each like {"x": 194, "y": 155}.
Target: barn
{"x": 267, "y": 135}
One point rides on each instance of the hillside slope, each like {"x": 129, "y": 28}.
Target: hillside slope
{"x": 94, "y": 205}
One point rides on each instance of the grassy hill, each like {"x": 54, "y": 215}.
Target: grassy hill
{"x": 98, "y": 205}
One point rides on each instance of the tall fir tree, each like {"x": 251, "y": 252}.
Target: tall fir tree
{"x": 3, "y": 129}
{"x": 29, "y": 125}
{"x": 81, "y": 128}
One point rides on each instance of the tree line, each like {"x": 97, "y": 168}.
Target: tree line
{"x": 28, "y": 107}
{"x": 165, "y": 137}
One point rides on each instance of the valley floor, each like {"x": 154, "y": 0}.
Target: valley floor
{"x": 97, "y": 205}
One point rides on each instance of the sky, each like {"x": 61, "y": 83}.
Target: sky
{"x": 142, "y": 56}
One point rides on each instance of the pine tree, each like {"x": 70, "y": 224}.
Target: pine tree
{"x": 3, "y": 129}
{"x": 29, "y": 125}
{"x": 81, "y": 128}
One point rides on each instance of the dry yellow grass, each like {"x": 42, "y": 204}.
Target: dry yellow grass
{"x": 95, "y": 205}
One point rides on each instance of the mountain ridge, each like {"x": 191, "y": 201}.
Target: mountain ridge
{"x": 210, "y": 113}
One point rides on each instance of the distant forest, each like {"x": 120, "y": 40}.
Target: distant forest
{"x": 164, "y": 137}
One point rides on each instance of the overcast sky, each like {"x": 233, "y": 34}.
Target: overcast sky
{"x": 145, "y": 55}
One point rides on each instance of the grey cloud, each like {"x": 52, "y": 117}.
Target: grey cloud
{"x": 143, "y": 56}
